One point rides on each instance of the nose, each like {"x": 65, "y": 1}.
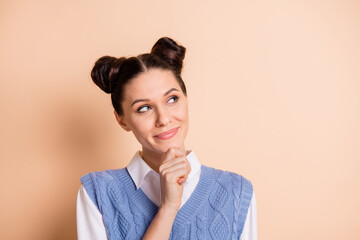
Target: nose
{"x": 163, "y": 118}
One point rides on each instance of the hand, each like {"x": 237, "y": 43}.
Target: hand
{"x": 173, "y": 173}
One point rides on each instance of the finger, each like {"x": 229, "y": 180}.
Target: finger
{"x": 181, "y": 180}
{"x": 171, "y": 162}
{"x": 174, "y": 176}
{"x": 188, "y": 169}
{"x": 174, "y": 165}
{"x": 172, "y": 153}
{"x": 179, "y": 152}
{"x": 188, "y": 166}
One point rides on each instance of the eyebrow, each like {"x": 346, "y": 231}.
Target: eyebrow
{"x": 148, "y": 100}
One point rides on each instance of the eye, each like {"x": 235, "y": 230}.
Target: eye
{"x": 173, "y": 99}
{"x": 143, "y": 109}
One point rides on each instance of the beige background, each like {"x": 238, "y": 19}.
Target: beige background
{"x": 274, "y": 95}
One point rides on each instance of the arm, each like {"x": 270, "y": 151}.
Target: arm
{"x": 173, "y": 172}
{"x": 161, "y": 225}
{"x": 250, "y": 227}
{"x": 89, "y": 220}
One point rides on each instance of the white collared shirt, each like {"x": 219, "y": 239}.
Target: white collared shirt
{"x": 89, "y": 220}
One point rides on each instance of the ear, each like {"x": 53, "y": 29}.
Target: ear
{"x": 122, "y": 122}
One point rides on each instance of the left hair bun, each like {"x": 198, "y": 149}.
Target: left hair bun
{"x": 171, "y": 52}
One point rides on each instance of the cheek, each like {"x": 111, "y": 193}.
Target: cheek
{"x": 183, "y": 117}
{"x": 142, "y": 127}
{"x": 182, "y": 113}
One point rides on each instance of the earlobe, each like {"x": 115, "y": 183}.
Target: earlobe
{"x": 122, "y": 122}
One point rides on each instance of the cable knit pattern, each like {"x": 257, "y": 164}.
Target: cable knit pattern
{"x": 243, "y": 186}
{"x": 218, "y": 197}
{"x": 219, "y": 227}
{"x": 200, "y": 225}
{"x": 121, "y": 225}
{"x": 200, "y": 231}
{"x": 236, "y": 193}
{"x": 216, "y": 210}
{"x": 139, "y": 219}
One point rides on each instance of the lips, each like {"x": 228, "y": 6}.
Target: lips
{"x": 168, "y": 134}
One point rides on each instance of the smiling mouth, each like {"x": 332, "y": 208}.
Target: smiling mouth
{"x": 168, "y": 134}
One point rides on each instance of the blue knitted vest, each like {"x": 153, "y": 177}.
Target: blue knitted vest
{"x": 216, "y": 210}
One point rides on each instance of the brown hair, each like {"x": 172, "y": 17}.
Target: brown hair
{"x": 112, "y": 74}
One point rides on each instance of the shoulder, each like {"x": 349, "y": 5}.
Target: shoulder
{"x": 229, "y": 179}
{"x": 96, "y": 183}
{"x": 106, "y": 175}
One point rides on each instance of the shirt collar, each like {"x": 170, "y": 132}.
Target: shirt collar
{"x": 138, "y": 169}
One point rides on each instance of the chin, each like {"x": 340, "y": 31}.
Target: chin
{"x": 175, "y": 145}
{"x": 163, "y": 149}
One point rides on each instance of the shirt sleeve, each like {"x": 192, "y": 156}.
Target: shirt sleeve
{"x": 250, "y": 227}
{"x": 90, "y": 225}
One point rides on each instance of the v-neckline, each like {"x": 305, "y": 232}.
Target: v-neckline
{"x": 190, "y": 207}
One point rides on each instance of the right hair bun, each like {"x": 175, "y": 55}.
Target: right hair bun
{"x": 171, "y": 52}
{"x": 105, "y": 71}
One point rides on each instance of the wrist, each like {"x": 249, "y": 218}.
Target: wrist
{"x": 168, "y": 210}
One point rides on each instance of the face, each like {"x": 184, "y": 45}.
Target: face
{"x": 156, "y": 111}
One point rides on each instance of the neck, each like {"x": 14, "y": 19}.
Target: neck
{"x": 154, "y": 159}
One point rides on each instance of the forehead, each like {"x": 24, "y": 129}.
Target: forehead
{"x": 150, "y": 84}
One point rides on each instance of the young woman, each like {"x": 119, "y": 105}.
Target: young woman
{"x": 164, "y": 192}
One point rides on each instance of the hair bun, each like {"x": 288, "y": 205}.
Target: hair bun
{"x": 169, "y": 51}
{"x": 105, "y": 71}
